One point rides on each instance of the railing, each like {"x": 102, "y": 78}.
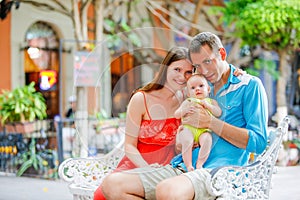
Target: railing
{"x": 53, "y": 141}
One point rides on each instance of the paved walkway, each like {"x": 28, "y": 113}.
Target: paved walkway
{"x": 24, "y": 188}
{"x": 285, "y": 186}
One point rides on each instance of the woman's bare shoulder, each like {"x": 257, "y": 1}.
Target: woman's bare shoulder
{"x": 138, "y": 98}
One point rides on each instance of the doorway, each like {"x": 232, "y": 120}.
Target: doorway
{"x": 41, "y": 56}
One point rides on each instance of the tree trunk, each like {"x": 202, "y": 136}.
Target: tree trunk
{"x": 99, "y": 10}
{"x": 76, "y": 23}
{"x": 281, "y": 100}
{"x": 196, "y": 17}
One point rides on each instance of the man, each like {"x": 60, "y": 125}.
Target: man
{"x": 241, "y": 129}
{"x": 71, "y": 111}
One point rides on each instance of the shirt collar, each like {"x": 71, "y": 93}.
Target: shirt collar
{"x": 232, "y": 79}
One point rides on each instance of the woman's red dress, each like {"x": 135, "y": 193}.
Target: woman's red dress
{"x": 156, "y": 143}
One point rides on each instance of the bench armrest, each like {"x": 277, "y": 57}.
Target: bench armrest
{"x": 252, "y": 181}
{"x": 90, "y": 172}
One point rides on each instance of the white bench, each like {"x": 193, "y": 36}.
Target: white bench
{"x": 84, "y": 175}
{"x": 230, "y": 182}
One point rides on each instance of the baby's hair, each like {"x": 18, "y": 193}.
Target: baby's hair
{"x": 196, "y": 73}
{"x": 199, "y": 75}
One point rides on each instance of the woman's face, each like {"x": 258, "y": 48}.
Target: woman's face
{"x": 178, "y": 73}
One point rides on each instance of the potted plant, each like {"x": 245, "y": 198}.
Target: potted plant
{"x": 20, "y": 107}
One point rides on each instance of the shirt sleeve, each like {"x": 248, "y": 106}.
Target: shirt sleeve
{"x": 256, "y": 115}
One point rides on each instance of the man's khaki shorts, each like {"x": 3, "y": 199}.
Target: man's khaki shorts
{"x": 150, "y": 177}
{"x": 198, "y": 179}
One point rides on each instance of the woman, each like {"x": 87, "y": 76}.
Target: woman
{"x": 150, "y": 124}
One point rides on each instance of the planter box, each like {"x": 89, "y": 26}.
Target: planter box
{"x": 19, "y": 127}
{"x": 1, "y": 127}
{"x": 26, "y": 127}
{"x": 10, "y": 128}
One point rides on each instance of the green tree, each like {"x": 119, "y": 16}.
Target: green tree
{"x": 272, "y": 24}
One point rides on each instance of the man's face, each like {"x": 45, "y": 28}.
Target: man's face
{"x": 73, "y": 105}
{"x": 208, "y": 64}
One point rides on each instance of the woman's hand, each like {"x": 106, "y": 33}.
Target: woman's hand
{"x": 238, "y": 72}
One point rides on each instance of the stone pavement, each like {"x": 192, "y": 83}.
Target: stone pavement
{"x": 285, "y": 185}
{"x": 24, "y": 188}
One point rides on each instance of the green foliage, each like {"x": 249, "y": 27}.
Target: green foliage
{"x": 263, "y": 64}
{"x": 104, "y": 120}
{"x": 30, "y": 158}
{"x": 22, "y": 104}
{"x": 233, "y": 9}
{"x": 102, "y": 115}
{"x": 274, "y": 24}
{"x": 122, "y": 115}
{"x": 115, "y": 41}
{"x": 36, "y": 159}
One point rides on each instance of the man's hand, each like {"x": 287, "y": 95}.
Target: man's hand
{"x": 200, "y": 118}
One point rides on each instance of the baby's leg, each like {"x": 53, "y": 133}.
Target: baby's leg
{"x": 205, "y": 142}
{"x": 186, "y": 139}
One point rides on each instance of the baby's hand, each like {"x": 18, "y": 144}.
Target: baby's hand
{"x": 204, "y": 104}
{"x": 180, "y": 128}
{"x": 188, "y": 110}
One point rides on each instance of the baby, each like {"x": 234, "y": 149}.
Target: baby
{"x": 197, "y": 92}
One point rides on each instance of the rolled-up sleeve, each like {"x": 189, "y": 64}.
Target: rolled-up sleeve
{"x": 256, "y": 115}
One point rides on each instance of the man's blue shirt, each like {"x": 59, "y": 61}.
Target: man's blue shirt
{"x": 244, "y": 104}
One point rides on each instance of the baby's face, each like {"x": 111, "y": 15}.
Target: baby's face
{"x": 197, "y": 87}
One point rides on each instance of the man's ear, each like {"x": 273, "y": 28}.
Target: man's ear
{"x": 222, "y": 53}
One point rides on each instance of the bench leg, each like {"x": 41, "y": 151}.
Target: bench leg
{"x": 81, "y": 197}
